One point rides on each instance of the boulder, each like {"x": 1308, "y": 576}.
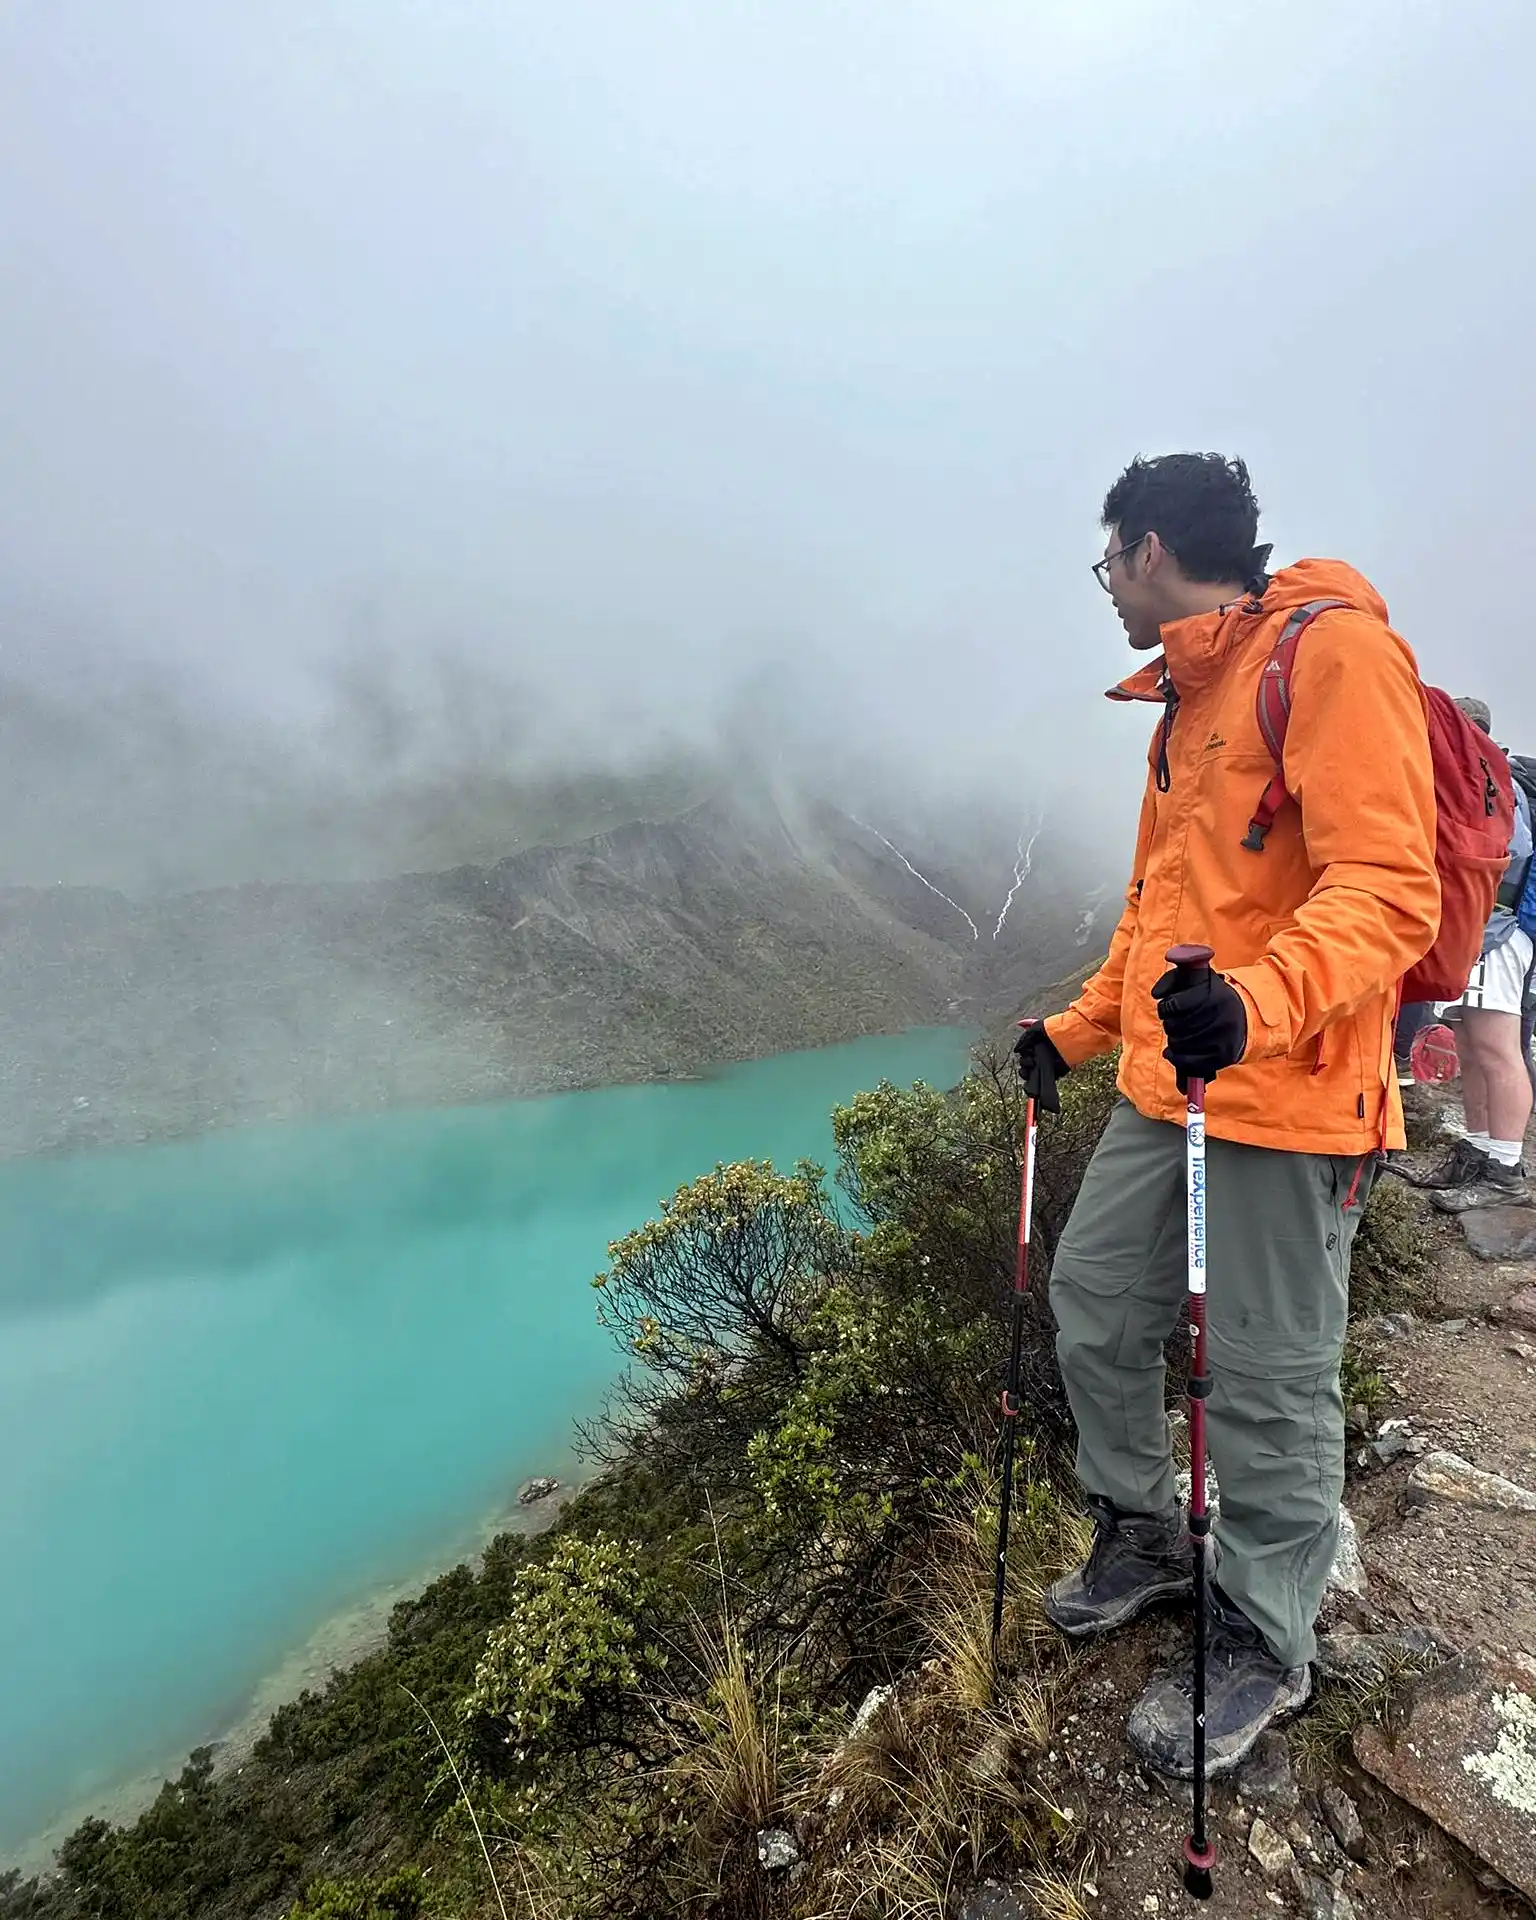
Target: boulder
{"x": 1465, "y": 1756}
{"x": 1500, "y": 1233}
{"x": 539, "y": 1489}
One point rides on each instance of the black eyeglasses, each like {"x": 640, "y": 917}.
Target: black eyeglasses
{"x": 1101, "y": 567}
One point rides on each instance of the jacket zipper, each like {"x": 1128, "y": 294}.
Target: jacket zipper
{"x": 1170, "y": 709}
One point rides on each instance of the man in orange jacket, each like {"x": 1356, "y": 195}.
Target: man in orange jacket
{"x": 1292, "y": 1027}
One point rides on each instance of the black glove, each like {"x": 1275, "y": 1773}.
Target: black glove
{"x": 1040, "y": 1066}
{"x": 1204, "y": 1021}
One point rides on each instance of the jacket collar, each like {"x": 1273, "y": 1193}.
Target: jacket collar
{"x": 1194, "y": 651}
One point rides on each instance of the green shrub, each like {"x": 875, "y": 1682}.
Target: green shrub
{"x": 732, "y": 1266}
{"x": 556, "y": 1675}
{"x": 1390, "y": 1264}
{"x": 398, "y": 1897}
{"x": 1360, "y": 1380}
{"x": 936, "y": 1178}
{"x": 890, "y": 1396}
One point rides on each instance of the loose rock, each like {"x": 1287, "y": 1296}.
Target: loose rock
{"x": 1446, "y": 1476}
{"x": 1302, "y": 1838}
{"x": 991, "y": 1900}
{"x": 1272, "y": 1850}
{"x": 1347, "y": 1574}
{"x": 1520, "y": 1309}
{"x": 777, "y": 1849}
{"x": 1466, "y": 1757}
{"x": 1343, "y": 1818}
{"x": 871, "y": 1707}
{"x": 539, "y": 1489}
{"x": 1266, "y": 1779}
{"x": 1322, "y": 1901}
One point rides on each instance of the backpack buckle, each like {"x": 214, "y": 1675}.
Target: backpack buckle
{"x": 1253, "y": 839}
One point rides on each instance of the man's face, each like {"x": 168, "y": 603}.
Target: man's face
{"x": 1126, "y": 571}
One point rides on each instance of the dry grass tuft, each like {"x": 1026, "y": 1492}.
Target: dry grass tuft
{"x": 1058, "y": 1896}
{"x": 938, "y": 1784}
{"x": 1321, "y": 1739}
{"x": 732, "y": 1760}
{"x": 730, "y": 1770}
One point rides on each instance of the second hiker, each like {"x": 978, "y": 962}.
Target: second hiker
{"x": 1483, "y": 1168}
{"x": 1313, "y": 920}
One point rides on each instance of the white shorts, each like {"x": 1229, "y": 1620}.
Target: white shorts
{"x": 1497, "y": 984}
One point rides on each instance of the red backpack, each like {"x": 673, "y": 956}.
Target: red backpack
{"x": 1474, "y": 809}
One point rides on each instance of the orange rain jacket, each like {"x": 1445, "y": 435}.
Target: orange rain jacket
{"x": 1315, "y": 931}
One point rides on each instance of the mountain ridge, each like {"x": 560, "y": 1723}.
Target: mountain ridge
{"x": 752, "y": 922}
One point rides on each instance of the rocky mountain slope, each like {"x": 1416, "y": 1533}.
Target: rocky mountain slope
{"x": 752, "y": 922}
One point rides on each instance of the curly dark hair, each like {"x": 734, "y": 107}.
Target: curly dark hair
{"x": 1201, "y": 506}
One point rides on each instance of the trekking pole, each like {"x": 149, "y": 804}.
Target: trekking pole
{"x": 1011, "y": 1390}
{"x": 1199, "y": 1852}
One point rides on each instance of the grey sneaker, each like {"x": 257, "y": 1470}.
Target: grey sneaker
{"x": 1495, "y": 1186}
{"x": 1462, "y": 1165}
{"x": 1247, "y": 1691}
{"x": 1137, "y": 1559}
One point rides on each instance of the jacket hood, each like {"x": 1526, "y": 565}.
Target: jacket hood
{"x": 1196, "y": 645}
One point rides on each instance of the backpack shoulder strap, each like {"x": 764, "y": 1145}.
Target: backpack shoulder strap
{"x": 1272, "y": 709}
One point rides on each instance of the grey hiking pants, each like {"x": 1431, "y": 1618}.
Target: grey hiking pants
{"x": 1277, "y": 1261}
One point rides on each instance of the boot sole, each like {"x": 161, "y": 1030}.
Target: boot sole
{"x": 1133, "y": 1605}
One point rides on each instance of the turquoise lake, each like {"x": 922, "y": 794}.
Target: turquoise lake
{"x": 249, "y": 1380}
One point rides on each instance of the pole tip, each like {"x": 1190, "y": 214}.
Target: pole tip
{"x": 1198, "y": 1862}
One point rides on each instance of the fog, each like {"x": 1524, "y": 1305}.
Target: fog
{"x": 389, "y": 389}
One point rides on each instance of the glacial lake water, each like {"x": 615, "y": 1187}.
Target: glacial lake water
{"x": 248, "y": 1380}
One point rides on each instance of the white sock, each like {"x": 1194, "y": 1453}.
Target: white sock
{"x": 1506, "y": 1152}
{"x": 1480, "y": 1141}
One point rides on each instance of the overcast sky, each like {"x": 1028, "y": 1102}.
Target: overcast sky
{"x": 629, "y": 341}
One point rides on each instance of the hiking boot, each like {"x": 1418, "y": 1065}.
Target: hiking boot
{"x": 1495, "y": 1186}
{"x": 1247, "y": 1691}
{"x": 1463, "y": 1165}
{"x": 1136, "y": 1560}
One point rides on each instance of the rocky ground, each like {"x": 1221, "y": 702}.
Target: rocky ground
{"x": 1410, "y": 1788}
